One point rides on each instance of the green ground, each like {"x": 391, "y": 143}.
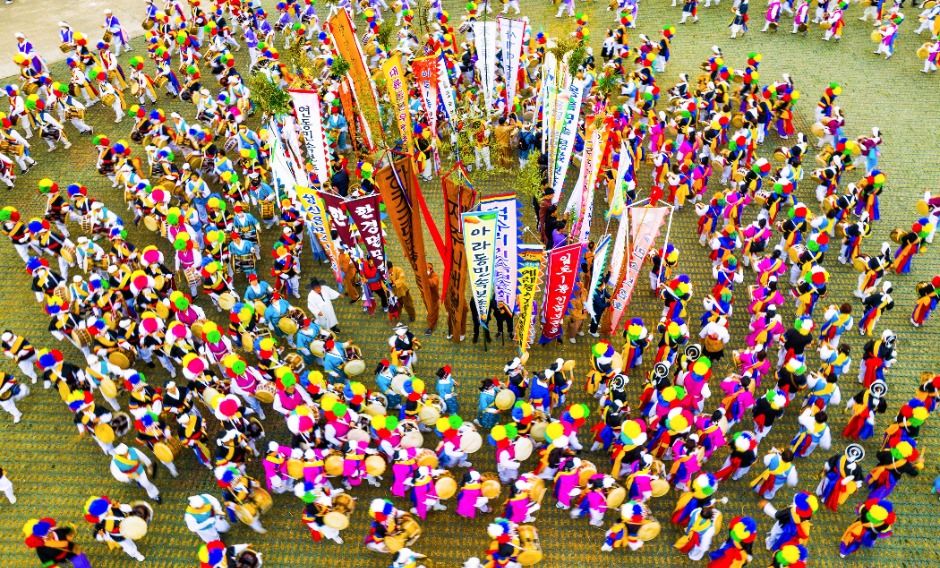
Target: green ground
{"x": 54, "y": 471}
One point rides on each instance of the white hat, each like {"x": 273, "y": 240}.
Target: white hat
{"x": 19, "y": 35}
{"x": 120, "y": 449}
{"x": 63, "y": 25}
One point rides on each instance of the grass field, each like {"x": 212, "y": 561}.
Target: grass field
{"x": 54, "y": 471}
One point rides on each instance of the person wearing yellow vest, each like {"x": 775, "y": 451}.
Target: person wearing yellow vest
{"x": 813, "y": 432}
{"x": 21, "y": 351}
{"x": 128, "y": 464}
{"x": 703, "y": 522}
{"x": 779, "y": 471}
{"x": 10, "y": 392}
{"x": 107, "y": 516}
{"x": 205, "y": 517}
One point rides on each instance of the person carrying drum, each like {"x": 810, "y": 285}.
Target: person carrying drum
{"x": 385, "y": 521}
{"x": 238, "y": 490}
{"x": 317, "y": 505}
{"x": 108, "y": 516}
{"x": 10, "y": 392}
{"x": 129, "y": 464}
{"x": 113, "y": 28}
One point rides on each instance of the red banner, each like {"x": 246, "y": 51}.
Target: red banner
{"x": 364, "y": 212}
{"x": 563, "y": 266}
{"x": 458, "y": 199}
{"x": 336, "y": 209}
{"x": 425, "y": 70}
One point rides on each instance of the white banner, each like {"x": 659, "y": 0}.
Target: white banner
{"x": 446, "y": 92}
{"x": 284, "y": 173}
{"x": 507, "y": 242}
{"x": 591, "y": 162}
{"x": 511, "y": 33}
{"x": 479, "y": 231}
{"x": 620, "y": 247}
{"x": 486, "y": 37}
{"x": 307, "y": 110}
{"x": 566, "y": 126}
{"x": 549, "y": 92}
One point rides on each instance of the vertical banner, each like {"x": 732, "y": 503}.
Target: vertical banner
{"x": 615, "y": 200}
{"x": 320, "y": 224}
{"x": 347, "y": 44}
{"x": 446, "y": 92}
{"x": 531, "y": 259}
{"x": 458, "y": 199}
{"x": 549, "y": 93}
{"x": 601, "y": 253}
{"x": 426, "y": 70}
{"x": 507, "y": 241}
{"x": 349, "y": 111}
{"x": 364, "y": 213}
{"x": 645, "y": 225}
{"x": 335, "y": 207}
{"x": 397, "y": 85}
{"x": 284, "y": 171}
{"x": 590, "y": 165}
{"x": 563, "y": 266}
{"x": 310, "y": 122}
{"x": 511, "y": 33}
{"x": 566, "y": 128}
{"x": 620, "y": 249}
{"x": 397, "y": 191}
{"x": 291, "y": 142}
{"x": 479, "y": 233}
{"x": 486, "y": 36}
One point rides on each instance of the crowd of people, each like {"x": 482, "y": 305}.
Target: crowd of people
{"x": 205, "y": 182}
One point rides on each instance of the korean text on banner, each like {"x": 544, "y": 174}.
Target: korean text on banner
{"x": 397, "y": 84}
{"x": 347, "y": 44}
{"x": 396, "y": 186}
{"x": 335, "y": 207}
{"x": 531, "y": 261}
{"x": 365, "y": 214}
{"x": 310, "y": 122}
{"x": 511, "y": 33}
{"x": 486, "y": 36}
{"x": 458, "y": 199}
{"x": 479, "y": 231}
{"x": 320, "y": 225}
{"x": 645, "y": 224}
{"x": 507, "y": 240}
{"x": 566, "y": 128}
{"x": 426, "y": 70}
{"x": 563, "y": 267}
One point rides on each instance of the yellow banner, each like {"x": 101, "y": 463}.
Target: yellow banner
{"x": 312, "y": 204}
{"x": 397, "y": 85}
{"x": 531, "y": 258}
